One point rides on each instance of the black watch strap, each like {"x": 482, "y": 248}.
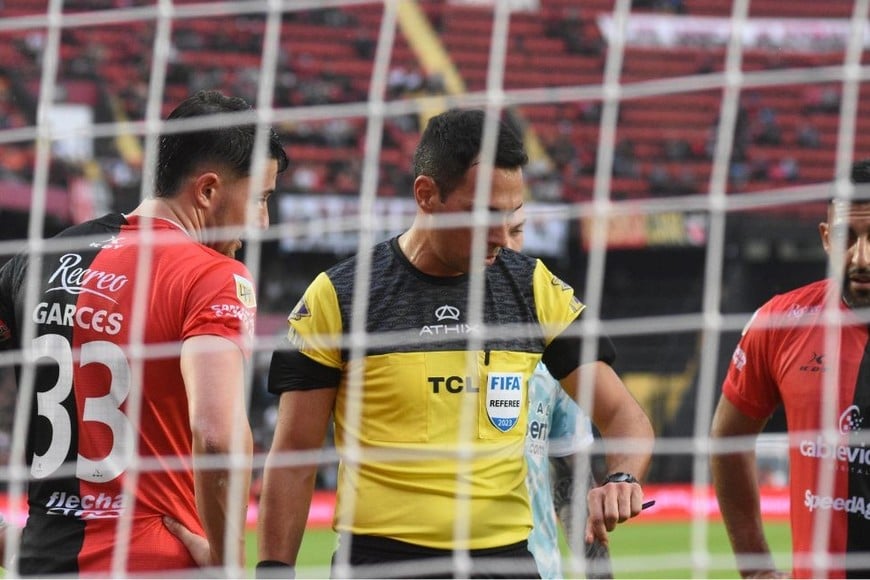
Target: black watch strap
{"x": 620, "y": 477}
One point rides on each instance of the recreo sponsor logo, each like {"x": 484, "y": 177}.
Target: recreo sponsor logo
{"x": 72, "y": 279}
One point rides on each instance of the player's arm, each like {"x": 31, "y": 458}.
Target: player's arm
{"x": 736, "y": 483}
{"x": 213, "y": 371}
{"x": 288, "y": 484}
{"x": 622, "y": 423}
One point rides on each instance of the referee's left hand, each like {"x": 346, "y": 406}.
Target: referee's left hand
{"x": 611, "y": 504}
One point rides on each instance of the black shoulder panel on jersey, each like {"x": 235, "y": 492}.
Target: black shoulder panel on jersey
{"x": 290, "y": 370}
{"x": 562, "y": 356}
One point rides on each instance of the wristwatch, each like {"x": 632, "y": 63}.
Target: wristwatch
{"x": 620, "y": 477}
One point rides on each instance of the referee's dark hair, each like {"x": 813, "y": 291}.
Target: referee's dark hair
{"x": 860, "y": 171}
{"x": 451, "y": 144}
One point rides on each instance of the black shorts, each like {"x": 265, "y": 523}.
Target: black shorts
{"x": 380, "y": 557}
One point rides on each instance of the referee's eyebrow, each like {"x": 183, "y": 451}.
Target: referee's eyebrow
{"x": 509, "y": 211}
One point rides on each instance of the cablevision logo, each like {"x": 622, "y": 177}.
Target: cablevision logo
{"x": 858, "y": 458}
{"x": 854, "y": 458}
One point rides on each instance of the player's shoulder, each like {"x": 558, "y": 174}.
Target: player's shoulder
{"x": 109, "y": 223}
{"x": 807, "y": 298}
{"x": 789, "y": 309}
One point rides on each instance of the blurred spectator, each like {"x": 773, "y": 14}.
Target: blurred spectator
{"x": 786, "y": 170}
{"x": 687, "y": 181}
{"x": 364, "y": 45}
{"x": 677, "y": 149}
{"x": 624, "y": 159}
{"x": 807, "y": 135}
{"x": 562, "y": 150}
{"x": 659, "y": 180}
{"x": 759, "y": 169}
{"x": 738, "y": 174}
{"x": 402, "y": 82}
{"x": 766, "y": 130}
{"x": 819, "y": 99}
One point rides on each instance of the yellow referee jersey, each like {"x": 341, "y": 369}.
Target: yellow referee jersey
{"x": 431, "y": 412}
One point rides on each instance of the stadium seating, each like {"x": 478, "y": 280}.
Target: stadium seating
{"x": 327, "y": 57}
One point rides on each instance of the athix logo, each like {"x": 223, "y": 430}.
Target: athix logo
{"x": 443, "y": 313}
{"x": 72, "y": 279}
{"x": 446, "y": 312}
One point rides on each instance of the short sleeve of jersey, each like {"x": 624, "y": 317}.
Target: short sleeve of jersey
{"x": 570, "y": 429}
{"x": 555, "y": 302}
{"x": 749, "y": 384}
{"x": 222, "y": 302}
{"x": 315, "y": 325}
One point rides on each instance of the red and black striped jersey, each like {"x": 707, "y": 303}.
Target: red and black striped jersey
{"x": 109, "y": 406}
{"x": 786, "y": 356}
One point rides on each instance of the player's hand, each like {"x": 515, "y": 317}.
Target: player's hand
{"x": 611, "y": 504}
{"x": 195, "y": 544}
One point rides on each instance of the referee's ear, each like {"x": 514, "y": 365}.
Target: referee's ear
{"x": 426, "y": 193}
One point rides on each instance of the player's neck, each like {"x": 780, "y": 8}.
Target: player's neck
{"x": 159, "y": 208}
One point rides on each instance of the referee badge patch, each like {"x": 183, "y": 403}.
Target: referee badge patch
{"x": 504, "y": 399}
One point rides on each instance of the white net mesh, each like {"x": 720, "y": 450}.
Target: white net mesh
{"x": 677, "y": 172}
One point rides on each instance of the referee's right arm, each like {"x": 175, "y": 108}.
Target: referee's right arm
{"x": 303, "y": 419}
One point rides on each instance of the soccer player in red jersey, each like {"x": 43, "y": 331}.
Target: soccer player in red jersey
{"x": 140, "y": 328}
{"x": 793, "y": 354}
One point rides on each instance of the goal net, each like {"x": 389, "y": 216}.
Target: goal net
{"x": 681, "y": 156}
